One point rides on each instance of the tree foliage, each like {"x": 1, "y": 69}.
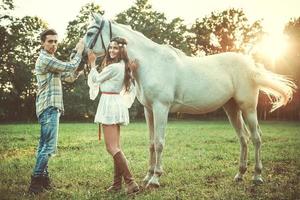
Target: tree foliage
{"x": 6, "y": 5}
{"x": 292, "y": 30}
{"x": 19, "y": 45}
{"x": 154, "y": 25}
{"x": 224, "y": 31}
{"x": 76, "y": 29}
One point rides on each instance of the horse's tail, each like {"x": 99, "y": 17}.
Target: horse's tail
{"x": 279, "y": 88}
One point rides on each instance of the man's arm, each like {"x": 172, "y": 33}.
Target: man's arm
{"x": 52, "y": 64}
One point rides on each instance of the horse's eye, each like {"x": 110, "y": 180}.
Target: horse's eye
{"x": 89, "y": 34}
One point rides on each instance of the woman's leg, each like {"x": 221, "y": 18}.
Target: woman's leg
{"x": 122, "y": 164}
{"x": 112, "y": 141}
{"x": 112, "y": 138}
{"x": 119, "y": 145}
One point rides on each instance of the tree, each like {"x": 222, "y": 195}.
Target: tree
{"x": 77, "y": 28}
{"x": 154, "y": 25}
{"x": 287, "y": 64}
{"x": 5, "y": 19}
{"x": 6, "y": 5}
{"x": 19, "y": 44}
{"x": 224, "y": 31}
{"x": 292, "y": 30}
{"x": 291, "y": 63}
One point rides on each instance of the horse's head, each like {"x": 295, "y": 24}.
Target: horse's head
{"x": 98, "y": 35}
{"x": 96, "y": 38}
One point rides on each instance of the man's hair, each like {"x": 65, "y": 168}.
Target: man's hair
{"x": 46, "y": 32}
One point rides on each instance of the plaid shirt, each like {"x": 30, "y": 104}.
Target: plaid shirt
{"x": 49, "y": 73}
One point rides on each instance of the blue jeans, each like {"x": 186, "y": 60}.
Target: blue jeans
{"x": 49, "y": 120}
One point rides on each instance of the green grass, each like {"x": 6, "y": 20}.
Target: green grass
{"x": 200, "y": 160}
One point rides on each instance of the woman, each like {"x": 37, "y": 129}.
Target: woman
{"x": 111, "y": 111}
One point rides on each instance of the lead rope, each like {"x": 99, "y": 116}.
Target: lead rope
{"x": 99, "y": 133}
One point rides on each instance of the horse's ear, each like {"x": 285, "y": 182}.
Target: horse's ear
{"x": 96, "y": 17}
{"x": 93, "y": 15}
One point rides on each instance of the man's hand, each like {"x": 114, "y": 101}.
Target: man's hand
{"x": 80, "y": 46}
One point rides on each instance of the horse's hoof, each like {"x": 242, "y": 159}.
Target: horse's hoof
{"x": 257, "y": 180}
{"x": 144, "y": 184}
{"x": 238, "y": 178}
{"x": 153, "y": 186}
{"x": 146, "y": 181}
{"x": 152, "y": 183}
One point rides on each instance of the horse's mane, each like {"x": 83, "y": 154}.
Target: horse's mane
{"x": 129, "y": 28}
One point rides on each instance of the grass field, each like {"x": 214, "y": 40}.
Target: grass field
{"x": 200, "y": 160}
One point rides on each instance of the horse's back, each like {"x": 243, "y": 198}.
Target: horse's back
{"x": 192, "y": 84}
{"x": 204, "y": 84}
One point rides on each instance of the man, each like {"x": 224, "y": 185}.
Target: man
{"x": 49, "y": 102}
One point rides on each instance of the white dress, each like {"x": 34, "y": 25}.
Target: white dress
{"x": 112, "y": 108}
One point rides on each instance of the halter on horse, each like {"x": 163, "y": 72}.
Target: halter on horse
{"x": 91, "y": 45}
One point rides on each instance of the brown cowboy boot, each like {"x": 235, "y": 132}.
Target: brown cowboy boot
{"x": 117, "y": 184}
{"x": 131, "y": 185}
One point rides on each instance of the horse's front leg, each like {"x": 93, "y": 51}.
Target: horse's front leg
{"x": 152, "y": 158}
{"x": 160, "y": 116}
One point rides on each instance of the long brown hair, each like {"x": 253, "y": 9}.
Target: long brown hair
{"x": 122, "y": 43}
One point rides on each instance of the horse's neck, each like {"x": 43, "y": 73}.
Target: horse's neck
{"x": 138, "y": 43}
{"x": 152, "y": 57}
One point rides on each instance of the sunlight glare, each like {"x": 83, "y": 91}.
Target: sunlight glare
{"x": 273, "y": 46}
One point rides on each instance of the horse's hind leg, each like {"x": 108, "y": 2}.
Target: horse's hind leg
{"x": 250, "y": 116}
{"x": 152, "y": 158}
{"x": 235, "y": 117}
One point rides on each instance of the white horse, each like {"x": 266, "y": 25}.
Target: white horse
{"x": 169, "y": 81}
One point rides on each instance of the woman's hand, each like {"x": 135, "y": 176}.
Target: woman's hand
{"x": 133, "y": 65}
{"x": 92, "y": 59}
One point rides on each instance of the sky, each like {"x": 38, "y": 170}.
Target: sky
{"x": 57, "y": 13}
